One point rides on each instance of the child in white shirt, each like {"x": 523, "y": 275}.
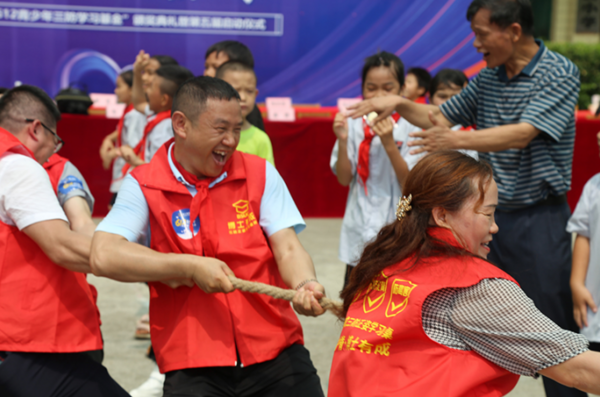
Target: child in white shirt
{"x": 371, "y": 160}
{"x": 585, "y": 271}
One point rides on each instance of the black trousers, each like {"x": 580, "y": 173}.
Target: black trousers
{"x": 291, "y": 374}
{"x": 56, "y": 375}
{"x": 533, "y": 246}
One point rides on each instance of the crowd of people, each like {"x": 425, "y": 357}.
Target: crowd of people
{"x": 460, "y": 273}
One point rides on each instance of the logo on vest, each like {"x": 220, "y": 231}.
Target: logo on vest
{"x": 245, "y": 218}
{"x": 181, "y": 224}
{"x": 401, "y": 290}
{"x": 69, "y": 183}
{"x": 375, "y": 294}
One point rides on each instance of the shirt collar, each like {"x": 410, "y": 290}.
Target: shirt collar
{"x": 180, "y": 177}
{"x": 528, "y": 70}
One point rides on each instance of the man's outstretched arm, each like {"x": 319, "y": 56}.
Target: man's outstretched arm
{"x": 63, "y": 246}
{"x": 415, "y": 113}
{"x": 114, "y": 257}
{"x": 296, "y": 269}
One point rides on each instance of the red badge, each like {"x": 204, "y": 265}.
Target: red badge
{"x": 401, "y": 290}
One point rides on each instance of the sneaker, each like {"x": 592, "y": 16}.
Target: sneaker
{"x": 142, "y": 328}
{"x": 153, "y": 387}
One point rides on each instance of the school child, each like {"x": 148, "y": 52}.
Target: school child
{"x": 370, "y": 160}
{"x": 232, "y": 51}
{"x": 446, "y": 84}
{"x": 158, "y": 130}
{"x": 416, "y": 84}
{"x": 145, "y": 67}
{"x": 243, "y": 79}
{"x": 129, "y": 132}
{"x": 585, "y": 271}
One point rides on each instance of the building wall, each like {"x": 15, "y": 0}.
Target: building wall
{"x": 564, "y": 22}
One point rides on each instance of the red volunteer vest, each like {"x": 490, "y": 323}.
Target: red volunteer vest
{"x": 190, "y": 328}
{"x": 43, "y": 307}
{"x": 54, "y": 167}
{"x": 384, "y": 351}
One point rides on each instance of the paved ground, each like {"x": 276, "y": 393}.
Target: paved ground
{"x": 121, "y": 303}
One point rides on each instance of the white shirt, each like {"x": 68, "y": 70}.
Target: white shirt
{"x": 130, "y": 216}
{"x": 414, "y": 159}
{"x": 586, "y": 222}
{"x": 160, "y": 134}
{"x": 26, "y": 194}
{"x": 366, "y": 214}
{"x": 133, "y": 131}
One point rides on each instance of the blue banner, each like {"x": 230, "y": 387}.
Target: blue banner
{"x": 310, "y": 50}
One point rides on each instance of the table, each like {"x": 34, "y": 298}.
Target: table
{"x": 586, "y": 161}
{"x": 302, "y": 150}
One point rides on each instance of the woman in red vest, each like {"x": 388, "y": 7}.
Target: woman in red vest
{"x": 428, "y": 315}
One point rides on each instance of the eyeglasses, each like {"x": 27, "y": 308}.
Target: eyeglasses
{"x": 58, "y": 142}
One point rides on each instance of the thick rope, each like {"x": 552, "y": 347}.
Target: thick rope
{"x": 279, "y": 293}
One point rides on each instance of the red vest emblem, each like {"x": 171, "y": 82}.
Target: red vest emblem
{"x": 399, "y": 294}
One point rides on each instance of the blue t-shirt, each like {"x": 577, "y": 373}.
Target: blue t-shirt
{"x": 130, "y": 216}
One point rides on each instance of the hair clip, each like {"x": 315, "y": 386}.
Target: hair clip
{"x": 403, "y": 207}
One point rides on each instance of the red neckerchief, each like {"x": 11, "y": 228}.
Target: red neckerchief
{"x": 363, "y": 151}
{"x": 202, "y": 208}
{"x": 128, "y": 109}
{"x": 140, "y": 148}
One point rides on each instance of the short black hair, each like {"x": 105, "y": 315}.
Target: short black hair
{"x": 447, "y": 77}
{"x": 505, "y": 12}
{"x": 173, "y": 77}
{"x": 165, "y": 60}
{"x": 192, "y": 96}
{"x": 384, "y": 58}
{"x": 235, "y": 51}
{"x": 127, "y": 77}
{"x": 3, "y": 90}
{"x": 233, "y": 66}
{"x": 27, "y": 101}
{"x": 422, "y": 75}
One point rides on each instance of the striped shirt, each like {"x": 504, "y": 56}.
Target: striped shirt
{"x": 544, "y": 95}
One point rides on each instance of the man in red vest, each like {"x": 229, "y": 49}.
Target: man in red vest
{"x": 209, "y": 211}
{"x": 48, "y": 319}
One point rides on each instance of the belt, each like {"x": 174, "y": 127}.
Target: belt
{"x": 553, "y": 200}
